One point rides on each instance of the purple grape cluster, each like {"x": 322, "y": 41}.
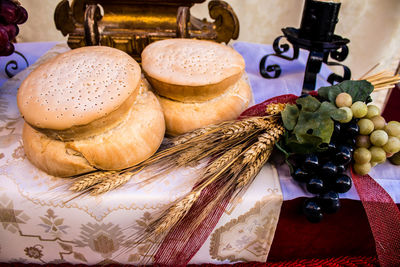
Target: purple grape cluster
{"x": 324, "y": 173}
{"x": 11, "y": 14}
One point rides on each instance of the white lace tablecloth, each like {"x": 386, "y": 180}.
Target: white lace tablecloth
{"x": 38, "y": 226}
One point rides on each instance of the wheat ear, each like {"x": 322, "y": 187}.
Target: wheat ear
{"x": 191, "y": 135}
{"x": 176, "y": 212}
{"x": 110, "y": 183}
{"x": 88, "y": 180}
{"x": 253, "y": 169}
{"x": 228, "y": 156}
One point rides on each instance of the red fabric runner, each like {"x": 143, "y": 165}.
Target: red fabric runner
{"x": 382, "y": 212}
{"x": 383, "y": 216}
{"x": 334, "y": 261}
{"x": 175, "y": 252}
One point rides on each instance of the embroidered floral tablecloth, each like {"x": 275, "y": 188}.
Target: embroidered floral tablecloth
{"x": 40, "y": 223}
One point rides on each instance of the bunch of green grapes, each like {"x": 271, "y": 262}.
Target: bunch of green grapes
{"x": 377, "y": 140}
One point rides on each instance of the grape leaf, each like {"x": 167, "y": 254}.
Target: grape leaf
{"x": 359, "y": 90}
{"x": 317, "y": 124}
{"x": 335, "y": 113}
{"x": 289, "y": 116}
{"x": 295, "y": 147}
{"x": 308, "y": 103}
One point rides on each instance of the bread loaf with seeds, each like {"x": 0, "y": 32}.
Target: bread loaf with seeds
{"x": 191, "y": 70}
{"x": 89, "y": 109}
{"x": 182, "y": 117}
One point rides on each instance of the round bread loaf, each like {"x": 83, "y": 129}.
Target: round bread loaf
{"x": 181, "y": 117}
{"x": 80, "y": 93}
{"x": 136, "y": 138}
{"x": 191, "y": 70}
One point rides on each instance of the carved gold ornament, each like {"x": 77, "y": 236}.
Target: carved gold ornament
{"x": 130, "y": 25}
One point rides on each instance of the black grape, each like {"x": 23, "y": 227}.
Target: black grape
{"x": 312, "y": 210}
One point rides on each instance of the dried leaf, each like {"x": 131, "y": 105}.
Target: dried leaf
{"x": 79, "y": 256}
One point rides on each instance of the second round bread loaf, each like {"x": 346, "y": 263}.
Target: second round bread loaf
{"x": 190, "y": 70}
{"x": 181, "y": 117}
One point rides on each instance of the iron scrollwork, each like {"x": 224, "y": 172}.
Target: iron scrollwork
{"x": 279, "y": 49}
{"x": 316, "y": 34}
{"x": 13, "y": 64}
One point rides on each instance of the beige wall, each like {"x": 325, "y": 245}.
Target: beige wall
{"x": 373, "y": 26}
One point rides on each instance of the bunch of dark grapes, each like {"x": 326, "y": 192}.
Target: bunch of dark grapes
{"x": 324, "y": 173}
{"x": 11, "y": 14}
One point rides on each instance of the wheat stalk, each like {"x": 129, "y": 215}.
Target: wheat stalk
{"x": 224, "y": 159}
{"x": 88, "y": 180}
{"x": 187, "y": 150}
{"x": 244, "y": 127}
{"x": 181, "y": 139}
{"x": 383, "y": 80}
{"x": 275, "y": 108}
{"x": 265, "y": 141}
{"x": 176, "y": 212}
{"x": 110, "y": 183}
{"x": 253, "y": 168}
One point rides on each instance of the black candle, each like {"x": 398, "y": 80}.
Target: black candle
{"x": 319, "y": 20}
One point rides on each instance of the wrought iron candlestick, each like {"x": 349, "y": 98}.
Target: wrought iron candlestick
{"x": 316, "y": 34}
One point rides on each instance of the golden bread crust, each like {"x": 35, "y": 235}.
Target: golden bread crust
{"x": 135, "y": 139}
{"x": 51, "y": 155}
{"x": 191, "y": 70}
{"x": 183, "y": 117}
{"x": 127, "y": 144}
{"x": 77, "y": 88}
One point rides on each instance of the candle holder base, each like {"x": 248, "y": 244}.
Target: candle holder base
{"x": 316, "y": 34}
{"x": 319, "y": 53}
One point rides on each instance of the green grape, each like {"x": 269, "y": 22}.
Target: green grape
{"x": 393, "y": 128}
{"x": 374, "y": 163}
{"x": 373, "y": 111}
{"x": 362, "y": 169}
{"x": 392, "y": 145}
{"x": 349, "y": 114}
{"x": 343, "y": 100}
{"x": 366, "y": 126}
{"x": 363, "y": 141}
{"x": 379, "y": 137}
{"x": 377, "y": 154}
{"x": 379, "y": 122}
{"x": 359, "y": 109}
{"x": 362, "y": 155}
